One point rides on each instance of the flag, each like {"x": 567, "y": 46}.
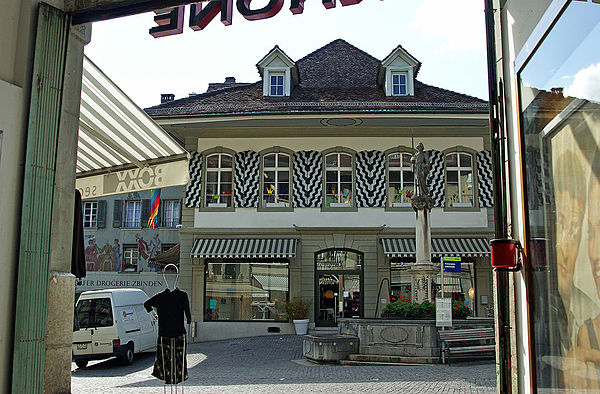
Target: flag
{"x": 154, "y": 201}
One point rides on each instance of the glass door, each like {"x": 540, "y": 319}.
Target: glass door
{"x": 338, "y": 287}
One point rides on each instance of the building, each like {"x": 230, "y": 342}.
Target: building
{"x": 300, "y": 186}
{"x": 545, "y": 68}
{"x": 119, "y": 245}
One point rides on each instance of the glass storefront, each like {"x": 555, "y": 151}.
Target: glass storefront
{"x": 560, "y": 120}
{"x": 246, "y": 290}
{"x": 338, "y": 285}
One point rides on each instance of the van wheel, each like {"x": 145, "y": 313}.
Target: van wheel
{"x": 81, "y": 363}
{"x": 127, "y": 358}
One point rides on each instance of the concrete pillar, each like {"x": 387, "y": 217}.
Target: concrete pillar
{"x": 61, "y": 290}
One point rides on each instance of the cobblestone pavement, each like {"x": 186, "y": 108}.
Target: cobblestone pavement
{"x": 274, "y": 364}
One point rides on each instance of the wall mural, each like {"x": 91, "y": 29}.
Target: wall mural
{"x": 370, "y": 179}
{"x": 107, "y": 255}
{"x": 308, "y": 179}
{"x": 193, "y": 191}
{"x": 246, "y": 184}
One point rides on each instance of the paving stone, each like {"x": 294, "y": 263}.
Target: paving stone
{"x": 274, "y": 364}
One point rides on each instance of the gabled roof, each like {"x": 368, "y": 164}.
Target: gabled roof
{"x": 337, "y": 77}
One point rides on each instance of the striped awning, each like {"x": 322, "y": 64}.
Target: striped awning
{"x": 468, "y": 247}
{"x": 244, "y": 247}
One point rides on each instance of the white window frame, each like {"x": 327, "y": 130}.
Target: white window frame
{"x": 131, "y": 257}
{"x": 404, "y": 198}
{"x": 277, "y": 203}
{"x": 277, "y": 75}
{"x": 90, "y": 214}
{"x": 339, "y": 196}
{"x": 171, "y": 210}
{"x": 136, "y": 212}
{"x": 399, "y": 74}
{"x": 217, "y": 203}
{"x": 459, "y": 203}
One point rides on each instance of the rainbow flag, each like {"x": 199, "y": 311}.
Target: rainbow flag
{"x": 155, "y": 200}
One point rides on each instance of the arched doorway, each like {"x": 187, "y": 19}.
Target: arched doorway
{"x": 338, "y": 285}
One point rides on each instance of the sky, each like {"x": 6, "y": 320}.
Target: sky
{"x": 447, "y": 37}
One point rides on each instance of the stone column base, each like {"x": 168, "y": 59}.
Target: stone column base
{"x": 59, "y": 333}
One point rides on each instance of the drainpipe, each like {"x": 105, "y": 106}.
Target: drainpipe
{"x": 502, "y": 301}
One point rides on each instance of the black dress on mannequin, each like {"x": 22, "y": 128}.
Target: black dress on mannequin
{"x": 170, "y": 364}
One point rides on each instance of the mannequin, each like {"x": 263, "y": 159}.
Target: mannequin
{"x": 171, "y": 305}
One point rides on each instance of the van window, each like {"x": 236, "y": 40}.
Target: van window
{"x": 94, "y": 313}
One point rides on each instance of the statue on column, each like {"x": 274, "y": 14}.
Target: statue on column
{"x": 421, "y": 167}
{"x": 420, "y": 164}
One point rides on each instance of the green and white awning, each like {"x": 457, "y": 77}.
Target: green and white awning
{"x": 465, "y": 246}
{"x": 227, "y": 248}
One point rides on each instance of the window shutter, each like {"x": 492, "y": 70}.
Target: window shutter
{"x": 145, "y": 212}
{"x": 161, "y": 213}
{"x": 180, "y": 210}
{"x": 118, "y": 213}
{"x": 101, "y": 214}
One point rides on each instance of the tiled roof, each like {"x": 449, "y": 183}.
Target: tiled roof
{"x": 335, "y": 78}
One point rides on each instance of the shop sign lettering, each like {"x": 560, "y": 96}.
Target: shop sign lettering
{"x": 170, "y": 21}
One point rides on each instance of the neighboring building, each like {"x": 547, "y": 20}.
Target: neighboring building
{"x": 548, "y": 65}
{"x": 119, "y": 244}
{"x": 300, "y": 184}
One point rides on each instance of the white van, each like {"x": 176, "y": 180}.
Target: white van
{"x": 112, "y": 323}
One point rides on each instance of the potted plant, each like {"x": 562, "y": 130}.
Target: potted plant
{"x": 296, "y": 311}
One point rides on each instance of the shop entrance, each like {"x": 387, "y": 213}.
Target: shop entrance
{"x": 338, "y": 286}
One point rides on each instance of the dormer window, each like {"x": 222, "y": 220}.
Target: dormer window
{"x": 279, "y": 73}
{"x": 397, "y": 73}
{"x": 276, "y": 87}
{"x": 399, "y": 84}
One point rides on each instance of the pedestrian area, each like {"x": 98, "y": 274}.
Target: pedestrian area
{"x": 274, "y": 364}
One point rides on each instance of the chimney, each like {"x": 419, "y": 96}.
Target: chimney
{"x": 557, "y": 91}
{"x": 229, "y": 79}
{"x": 166, "y": 97}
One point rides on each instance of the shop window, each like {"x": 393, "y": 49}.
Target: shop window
{"x": 133, "y": 212}
{"x": 130, "y": 258}
{"x": 90, "y": 214}
{"x": 276, "y": 85}
{"x": 218, "y": 190}
{"x": 276, "y": 180}
{"x": 560, "y": 130}
{"x": 401, "y": 181}
{"x": 246, "y": 289}
{"x": 459, "y": 180}
{"x": 399, "y": 83}
{"x": 171, "y": 213}
{"x": 338, "y": 180}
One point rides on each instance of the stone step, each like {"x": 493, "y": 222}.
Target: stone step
{"x": 323, "y": 331}
{"x": 383, "y": 358}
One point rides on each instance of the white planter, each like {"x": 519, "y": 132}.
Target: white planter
{"x": 462, "y": 205}
{"x": 400, "y": 204}
{"x": 301, "y": 326}
{"x": 339, "y": 205}
{"x": 217, "y": 205}
{"x": 275, "y": 205}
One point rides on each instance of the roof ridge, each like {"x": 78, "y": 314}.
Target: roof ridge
{"x": 183, "y": 100}
{"x": 340, "y": 40}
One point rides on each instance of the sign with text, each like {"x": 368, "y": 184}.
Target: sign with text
{"x": 155, "y": 176}
{"x": 451, "y": 264}
{"x": 443, "y": 312}
{"x": 170, "y": 20}
{"x": 150, "y": 282}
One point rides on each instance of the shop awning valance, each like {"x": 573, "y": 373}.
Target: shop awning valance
{"x": 244, "y": 247}
{"x": 464, "y": 246}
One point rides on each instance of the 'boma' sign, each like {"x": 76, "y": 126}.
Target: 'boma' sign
{"x": 170, "y": 20}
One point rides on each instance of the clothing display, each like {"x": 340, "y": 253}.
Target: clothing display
{"x": 170, "y": 364}
{"x": 170, "y": 306}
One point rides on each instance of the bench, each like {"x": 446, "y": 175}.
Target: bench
{"x": 466, "y": 341}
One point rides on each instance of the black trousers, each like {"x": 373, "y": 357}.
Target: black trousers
{"x": 170, "y": 364}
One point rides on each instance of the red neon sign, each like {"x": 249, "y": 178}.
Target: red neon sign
{"x": 170, "y": 21}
